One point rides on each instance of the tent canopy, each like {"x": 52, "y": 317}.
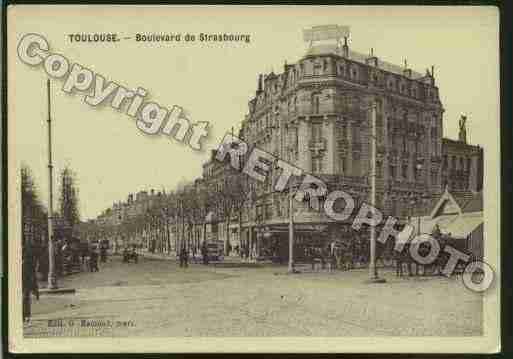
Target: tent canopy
{"x": 464, "y": 225}
{"x": 456, "y": 226}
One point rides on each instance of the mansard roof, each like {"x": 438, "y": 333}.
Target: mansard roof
{"x": 333, "y": 49}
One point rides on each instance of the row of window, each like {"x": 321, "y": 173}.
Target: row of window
{"x": 457, "y": 163}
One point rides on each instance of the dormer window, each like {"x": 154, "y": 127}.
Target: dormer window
{"x": 354, "y": 73}
{"x": 391, "y": 84}
{"x": 342, "y": 70}
{"x": 316, "y": 68}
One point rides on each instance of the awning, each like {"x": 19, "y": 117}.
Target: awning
{"x": 413, "y": 238}
{"x": 464, "y": 225}
{"x": 427, "y": 225}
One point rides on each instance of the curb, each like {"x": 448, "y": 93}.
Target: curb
{"x": 57, "y": 291}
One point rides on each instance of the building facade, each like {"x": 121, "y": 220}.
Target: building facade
{"x": 463, "y": 164}
{"x": 316, "y": 115}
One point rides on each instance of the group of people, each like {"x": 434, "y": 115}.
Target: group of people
{"x": 183, "y": 255}
{"x": 405, "y": 259}
{"x": 130, "y": 253}
{"x": 68, "y": 254}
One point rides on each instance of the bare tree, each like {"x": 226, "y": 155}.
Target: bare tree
{"x": 68, "y": 200}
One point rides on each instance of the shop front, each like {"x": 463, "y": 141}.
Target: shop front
{"x": 272, "y": 242}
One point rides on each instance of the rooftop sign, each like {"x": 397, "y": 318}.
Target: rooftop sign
{"x": 325, "y": 32}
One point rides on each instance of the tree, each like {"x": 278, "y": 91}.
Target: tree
{"x": 34, "y": 220}
{"x": 206, "y": 201}
{"x": 68, "y": 201}
{"x": 239, "y": 186}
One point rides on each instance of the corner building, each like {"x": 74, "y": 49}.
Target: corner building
{"x": 316, "y": 115}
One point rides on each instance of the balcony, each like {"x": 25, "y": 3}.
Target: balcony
{"x": 357, "y": 146}
{"x": 317, "y": 145}
{"x": 343, "y": 143}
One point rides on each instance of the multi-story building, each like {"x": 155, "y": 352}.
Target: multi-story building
{"x": 462, "y": 166}
{"x": 316, "y": 115}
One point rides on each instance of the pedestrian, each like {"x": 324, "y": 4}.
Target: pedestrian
{"x": 93, "y": 260}
{"x": 311, "y": 252}
{"x": 204, "y": 253}
{"x": 103, "y": 252}
{"x": 398, "y": 263}
{"x": 43, "y": 263}
{"x": 29, "y": 281}
{"x": 84, "y": 253}
{"x": 183, "y": 257}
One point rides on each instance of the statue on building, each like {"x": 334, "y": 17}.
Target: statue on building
{"x": 462, "y": 135}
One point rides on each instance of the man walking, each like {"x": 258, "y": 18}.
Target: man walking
{"x": 183, "y": 257}
{"x": 93, "y": 260}
{"x": 204, "y": 253}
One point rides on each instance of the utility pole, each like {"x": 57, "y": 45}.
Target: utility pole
{"x": 291, "y": 233}
{"x": 373, "y": 270}
{"x": 52, "y": 278}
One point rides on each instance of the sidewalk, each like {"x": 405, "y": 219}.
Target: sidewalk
{"x": 227, "y": 260}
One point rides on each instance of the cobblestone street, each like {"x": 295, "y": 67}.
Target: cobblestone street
{"x": 158, "y": 298}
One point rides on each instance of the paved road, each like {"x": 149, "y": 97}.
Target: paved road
{"x": 157, "y": 298}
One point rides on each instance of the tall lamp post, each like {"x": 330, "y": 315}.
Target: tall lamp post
{"x": 52, "y": 278}
{"x": 291, "y": 233}
{"x": 373, "y": 270}
{"x": 415, "y": 200}
{"x": 292, "y": 191}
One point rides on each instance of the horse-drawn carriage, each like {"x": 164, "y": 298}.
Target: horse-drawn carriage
{"x": 130, "y": 254}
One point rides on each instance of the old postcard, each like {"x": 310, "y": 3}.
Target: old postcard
{"x": 253, "y": 179}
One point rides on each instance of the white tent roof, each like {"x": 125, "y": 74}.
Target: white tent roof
{"x": 465, "y": 224}
{"x": 458, "y": 226}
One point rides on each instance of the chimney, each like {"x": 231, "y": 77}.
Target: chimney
{"x": 259, "y": 90}
{"x": 152, "y": 192}
{"x": 406, "y": 71}
{"x": 372, "y": 60}
{"x": 345, "y": 48}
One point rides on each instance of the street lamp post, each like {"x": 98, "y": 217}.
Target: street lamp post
{"x": 373, "y": 270}
{"x": 291, "y": 234}
{"x": 52, "y": 278}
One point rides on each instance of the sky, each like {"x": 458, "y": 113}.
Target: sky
{"x": 214, "y": 81}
